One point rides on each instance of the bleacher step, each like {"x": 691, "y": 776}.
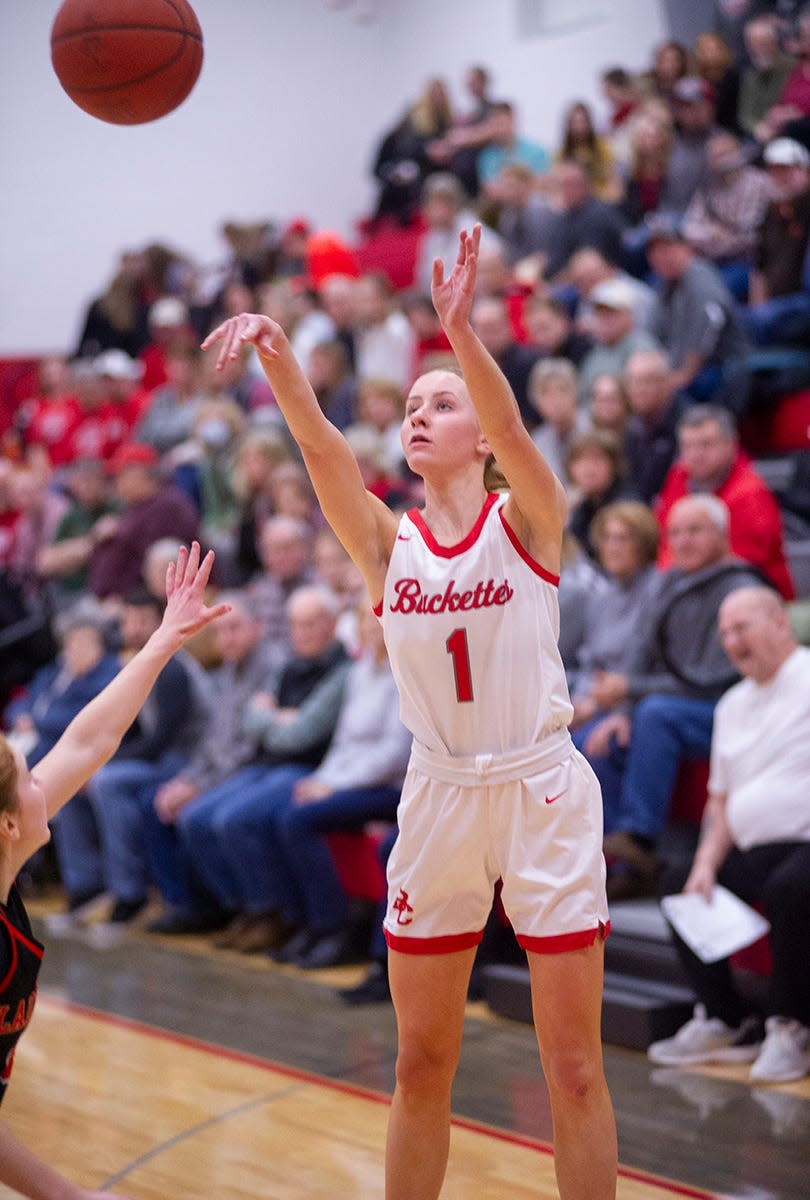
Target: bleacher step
{"x": 635, "y": 1011}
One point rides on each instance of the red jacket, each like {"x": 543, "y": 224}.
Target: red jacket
{"x": 755, "y": 523}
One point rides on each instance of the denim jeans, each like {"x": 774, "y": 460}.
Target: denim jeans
{"x": 784, "y": 319}
{"x": 667, "y": 730}
{"x": 121, "y": 795}
{"x": 78, "y": 847}
{"x": 230, "y": 837}
{"x": 317, "y": 896}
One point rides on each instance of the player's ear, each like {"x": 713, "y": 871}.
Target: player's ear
{"x": 9, "y": 826}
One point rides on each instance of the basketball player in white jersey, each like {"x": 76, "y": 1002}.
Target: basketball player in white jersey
{"x": 467, "y": 593}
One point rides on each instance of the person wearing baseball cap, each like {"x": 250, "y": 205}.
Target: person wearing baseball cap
{"x": 696, "y": 317}
{"x": 779, "y": 294}
{"x": 694, "y": 105}
{"x": 614, "y": 331}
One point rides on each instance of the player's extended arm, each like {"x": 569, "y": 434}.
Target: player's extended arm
{"x": 363, "y": 524}
{"x": 537, "y": 506}
{"x": 93, "y": 736}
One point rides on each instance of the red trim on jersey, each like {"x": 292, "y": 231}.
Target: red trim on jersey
{"x": 378, "y": 609}
{"x": 563, "y": 941}
{"x": 434, "y": 945}
{"x": 524, "y": 554}
{"x": 14, "y": 953}
{"x": 471, "y": 538}
{"x": 17, "y": 937}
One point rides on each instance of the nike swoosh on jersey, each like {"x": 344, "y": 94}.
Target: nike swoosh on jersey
{"x": 551, "y": 799}
{"x": 402, "y": 538}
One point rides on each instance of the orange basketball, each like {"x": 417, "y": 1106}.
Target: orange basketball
{"x": 127, "y": 61}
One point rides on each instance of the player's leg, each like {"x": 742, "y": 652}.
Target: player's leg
{"x": 567, "y": 1006}
{"x": 429, "y": 993}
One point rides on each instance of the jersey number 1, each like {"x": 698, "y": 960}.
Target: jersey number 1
{"x": 456, "y": 646}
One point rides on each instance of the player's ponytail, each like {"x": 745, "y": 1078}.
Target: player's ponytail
{"x": 494, "y": 478}
{"x": 8, "y": 777}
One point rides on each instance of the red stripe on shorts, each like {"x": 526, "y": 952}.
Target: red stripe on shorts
{"x": 563, "y": 941}
{"x": 433, "y": 945}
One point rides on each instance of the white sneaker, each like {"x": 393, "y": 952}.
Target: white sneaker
{"x": 705, "y": 1039}
{"x": 73, "y": 921}
{"x": 785, "y": 1053}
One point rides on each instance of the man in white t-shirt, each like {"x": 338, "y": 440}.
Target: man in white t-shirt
{"x": 755, "y": 840}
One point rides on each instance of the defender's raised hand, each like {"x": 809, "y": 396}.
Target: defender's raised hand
{"x": 186, "y": 580}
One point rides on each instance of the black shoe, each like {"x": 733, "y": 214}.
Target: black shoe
{"x": 293, "y": 950}
{"x": 335, "y": 949}
{"x": 373, "y": 990}
{"x": 176, "y": 921}
{"x": 124, "y": 911}
{"x": 80, "y": 900}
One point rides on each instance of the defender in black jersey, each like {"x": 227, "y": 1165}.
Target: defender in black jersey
{"x": 28, "y": 802}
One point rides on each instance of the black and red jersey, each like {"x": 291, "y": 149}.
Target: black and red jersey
{"x": 20, "y": 960}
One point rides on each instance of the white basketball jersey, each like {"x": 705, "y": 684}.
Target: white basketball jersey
{"x": 472, "y": 632}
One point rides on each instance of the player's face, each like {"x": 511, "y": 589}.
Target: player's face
{"x": 441, "y": 428}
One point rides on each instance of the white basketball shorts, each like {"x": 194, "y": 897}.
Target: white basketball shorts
{"x": 465, "y": 823}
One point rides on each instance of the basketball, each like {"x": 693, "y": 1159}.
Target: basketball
{"x": 127, "y": 61}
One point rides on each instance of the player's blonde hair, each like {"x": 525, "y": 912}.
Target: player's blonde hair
{"x": 8, "y": 777}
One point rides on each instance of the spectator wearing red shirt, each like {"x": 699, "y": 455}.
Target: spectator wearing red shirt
{"x": 121, "y": 378}
{"x": 711, "y": 461}
{"x": 169, "y": 325}
{"x": 47, "y": 420}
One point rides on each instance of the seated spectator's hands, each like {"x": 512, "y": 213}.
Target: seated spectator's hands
{"x": 440, "y": 150}
{"x": 615, "y": 727}
{"x": 308, "y": 790}
{"x": 608, "y": 689}
{"x": 252, "y": 329}
{"x": 24, "y": 723}
{"x": 172, "y": 797}
{"x": 701, "y": 879}
{"x": 585, "y": 709}
{"x": 263, "y": 701}
{"x": 105, "y": 528}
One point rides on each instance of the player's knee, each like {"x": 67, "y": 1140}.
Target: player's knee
{"x": 573, "y": 1075}
{"x": 425, "y": 1064}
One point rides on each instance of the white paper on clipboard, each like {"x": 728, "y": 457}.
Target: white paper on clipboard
{"x": 714, "y": 930}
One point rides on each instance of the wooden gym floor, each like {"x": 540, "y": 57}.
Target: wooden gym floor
{"x": 158, "y": 1068}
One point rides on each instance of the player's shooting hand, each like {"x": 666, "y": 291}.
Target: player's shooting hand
{"x": 186, "y": 611}
{"x": 453, "y": 297}
{"x": 252, "y": 329}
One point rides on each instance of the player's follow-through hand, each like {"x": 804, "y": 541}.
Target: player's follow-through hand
{"x": 246, "y": 329}
{"x": 453, "y": 297}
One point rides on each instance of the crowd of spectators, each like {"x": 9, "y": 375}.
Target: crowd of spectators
{"x": 640, "y": 284}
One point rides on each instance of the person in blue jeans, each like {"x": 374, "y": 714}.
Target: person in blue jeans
{"x": 659, "y": 713}
{"x": 223, "y": 864}
{"x": 359, "y": 780}
{"x": 157, "y": 746}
